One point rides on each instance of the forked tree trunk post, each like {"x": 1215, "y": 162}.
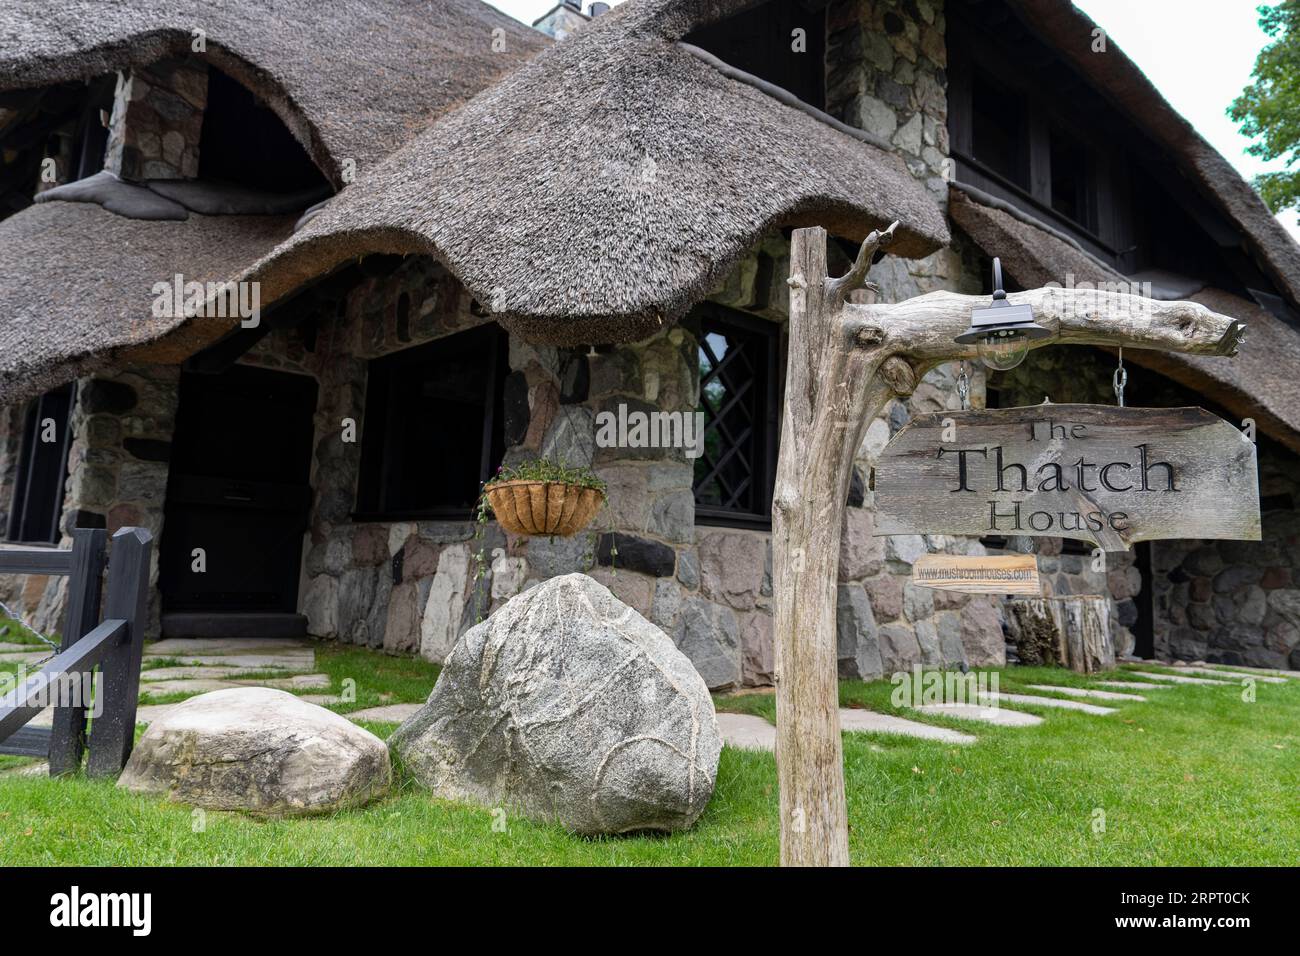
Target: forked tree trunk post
{"x": 845, "y": 362}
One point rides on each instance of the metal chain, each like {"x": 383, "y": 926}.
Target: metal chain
{"x": 1120, "y": 378}
{"x": 963, "y": 386}
{"x": 53, "y": 645}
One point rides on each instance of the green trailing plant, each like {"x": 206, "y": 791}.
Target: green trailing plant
{"x": 532, "y": 469}
{"x": 543, "y": 469}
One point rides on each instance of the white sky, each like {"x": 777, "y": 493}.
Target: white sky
{"x": 1198, "y": 53}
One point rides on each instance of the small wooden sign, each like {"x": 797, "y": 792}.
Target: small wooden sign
{"x": 1112, "y": 476}
{"x": 991, "y": 574}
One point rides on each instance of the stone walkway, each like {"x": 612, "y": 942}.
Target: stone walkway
{"x": 1219, "y": 672}
{"x": 750, "y": 732}
{"x": 1037, "y": 701}
{"x": 200, "y": 665}
{"x": 1087, "y": 692}
{"x": 1132, "y": 685}
{"x": 998, "y": 716}
{"x": 1175, "y": 679}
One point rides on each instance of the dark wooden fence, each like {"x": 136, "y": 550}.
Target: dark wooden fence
{"x": 114, "y": 644}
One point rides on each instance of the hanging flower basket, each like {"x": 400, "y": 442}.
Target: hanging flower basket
{"x": 542, "y": 498}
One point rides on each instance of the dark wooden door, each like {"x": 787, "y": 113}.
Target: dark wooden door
{"x": 239, "y": 489}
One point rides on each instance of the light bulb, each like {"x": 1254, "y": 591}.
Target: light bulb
{"x": 1003, "y": 350}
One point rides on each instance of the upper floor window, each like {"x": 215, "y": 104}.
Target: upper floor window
{"x": 763, "y": 41}
{"x": 37, "y": 503}
{"x": 999, "y": 129}
{"x": 740, "y": 398}
{"x": 244, "y": 142}
{"x": 433, "y": 426}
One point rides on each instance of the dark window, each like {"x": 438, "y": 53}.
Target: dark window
{"x": 42, "y": 468}
{"x": 999, "y": 129}
{"x": 433, "y": 427}
{"x": 739, "y": 396}
{"x": 243, "y": 141}
{"x": 1071, "y": 196}
{"x": 762, "y": 41}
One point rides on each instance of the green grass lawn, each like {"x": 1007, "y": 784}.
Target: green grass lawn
{"x": 1195, "y": 776}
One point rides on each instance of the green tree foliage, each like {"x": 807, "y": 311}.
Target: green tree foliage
{"x": 1269, "y": 109}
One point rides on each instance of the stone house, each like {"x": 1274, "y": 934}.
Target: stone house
{"x": 497, "y": 238}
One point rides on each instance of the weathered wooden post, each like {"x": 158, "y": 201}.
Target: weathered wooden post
{"x": 846, "y": 361}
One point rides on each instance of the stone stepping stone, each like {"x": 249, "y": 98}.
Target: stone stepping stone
{"x": 388, "y": 714}
{"x": 750, "y": 732}
{"x": 148, "y": 713}
{"x": 164, "y": 687}
{"x": 186, "y": 646}
{"x": 1214, "y": 672}
{"x": 39, "y": 769}
{"x": 204, "y": 685}
{"x": 1052, "y": 702}
{"x": 1132, "y": 685}
{"x": 855, "y": 720}
{"x": 191, "y": 673}
{"x": 743, "y": 731}
{"x": 25, "y": 657}
{"x": 9, "y": 648}
{"x": 989, "y": 715}
{"x": 1270, "y": 671}
{"x": 1175, "y": 679}
{"x": 322, "y": 700}
{"x": 260, "y": 662}
{"x": 1085, "y": 692}
{"x": 296, "y": 682}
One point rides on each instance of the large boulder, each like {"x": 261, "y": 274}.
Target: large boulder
{"x": 259, "y": 750}
{"x": 567, "y": 705}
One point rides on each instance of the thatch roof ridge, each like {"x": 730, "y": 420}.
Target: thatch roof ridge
{"x": 1070, "y": 30}
{"x": 604, "y": 187}
{"x": 350, "y": 81}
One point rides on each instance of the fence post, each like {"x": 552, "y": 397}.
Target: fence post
{"x": 68, "y": 731}
{"x": 112, "y": 734}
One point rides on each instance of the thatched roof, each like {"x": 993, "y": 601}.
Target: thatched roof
{"x": 591, "y": 196}
{"x": 351, "y": 80}
{"x": 65, "y": 311}
{"x": 1070, "y": 31}
{"x": 1260, "y": 382}
{"x": 600, "y": 190}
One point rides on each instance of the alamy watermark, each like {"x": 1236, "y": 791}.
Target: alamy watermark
{"x": 626, "y": 428}
{"x": 921, "y": 688}
{"x": 67, "y": 690}
{"x": 208, "y": 300}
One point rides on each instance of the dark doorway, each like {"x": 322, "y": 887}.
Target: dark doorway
{"x": 1144, "y": 628}
{"x": 240, "y": 490}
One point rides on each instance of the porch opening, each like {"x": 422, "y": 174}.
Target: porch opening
{"x": 238, "y": 500}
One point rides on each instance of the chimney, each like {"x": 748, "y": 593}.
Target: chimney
{"x": 564, "y": 18}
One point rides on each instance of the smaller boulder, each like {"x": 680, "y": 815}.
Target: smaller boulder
{"x": 259, "y": 750}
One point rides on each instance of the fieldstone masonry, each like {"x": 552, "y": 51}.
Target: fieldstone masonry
{"x": 1236, "y": 602}
{"x": 157, "y": 120}
{"x": 117, "y": 477}
{"x": 410, "y": 587}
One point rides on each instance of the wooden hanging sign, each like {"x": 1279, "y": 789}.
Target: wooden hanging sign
{"x": 1112, "y": 476}
{"x": 974, "y": 574}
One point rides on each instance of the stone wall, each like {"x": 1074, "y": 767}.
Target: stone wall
{"x": 157, "y": 121}
{"x": 410, "y": 587}
{"x": 886, "y": 73}
{"x": 1237, "y": 602}
{"x": 122, "y": 427}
